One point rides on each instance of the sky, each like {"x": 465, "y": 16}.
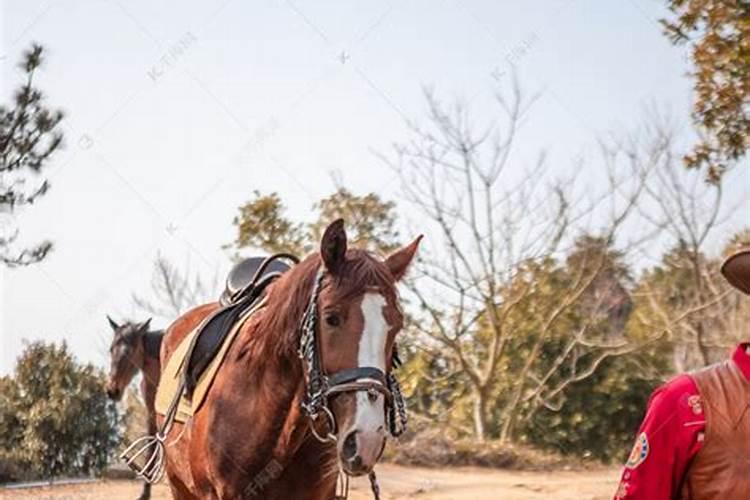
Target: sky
{"x": 177, "y": 111}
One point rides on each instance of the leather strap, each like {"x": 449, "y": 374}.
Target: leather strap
{"x": 360, "y": 386}
{"x": 354, "y": 374}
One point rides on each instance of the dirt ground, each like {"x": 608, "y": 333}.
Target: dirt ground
{"x": 399, "y": 483}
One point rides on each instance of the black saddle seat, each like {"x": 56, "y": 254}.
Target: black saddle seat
{"x": 244, "y": 288}
{"x": 243, "y": 272}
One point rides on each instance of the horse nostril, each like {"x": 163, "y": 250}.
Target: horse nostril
{"x": 349, "y": 449}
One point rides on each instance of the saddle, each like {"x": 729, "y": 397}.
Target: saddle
{"x": 243, "y": 273}
{"x": 245, "y": 286}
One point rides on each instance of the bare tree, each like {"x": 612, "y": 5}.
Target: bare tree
{"x": 174, "y": 291}
{"x": 689, "y": 302}
{"x": 493, "y": 228}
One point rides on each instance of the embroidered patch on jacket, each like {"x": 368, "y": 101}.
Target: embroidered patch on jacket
{"x": 694, "y": 402}
{"x": 639, "y": 453}
{"x": 622, "y": 490}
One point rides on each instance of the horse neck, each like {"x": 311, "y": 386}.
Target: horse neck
{"x": 151, "y": 364}
{"x": 152, "y": 344}
{"x": 254, "y": 408}
{"x": 271, "y": 382}
{"x": 269, "y": 376}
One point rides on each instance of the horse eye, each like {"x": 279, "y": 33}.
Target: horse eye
{"x": 333, "y": 319}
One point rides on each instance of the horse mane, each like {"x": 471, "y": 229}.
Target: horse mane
{"x": 289, "y": 296}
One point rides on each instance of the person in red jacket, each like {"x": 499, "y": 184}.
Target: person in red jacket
{"x": 696, "y": 426}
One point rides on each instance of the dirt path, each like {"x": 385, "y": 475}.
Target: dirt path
{"x": 399, "y": 483}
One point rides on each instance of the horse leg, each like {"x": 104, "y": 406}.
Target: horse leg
{"x": 146, "y": 492}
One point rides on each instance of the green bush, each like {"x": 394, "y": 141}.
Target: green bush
{"x": 55, "y": 418}
{"x": 599, "y": 418}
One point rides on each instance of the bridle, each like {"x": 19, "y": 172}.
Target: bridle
{"x": 321, "y": 386}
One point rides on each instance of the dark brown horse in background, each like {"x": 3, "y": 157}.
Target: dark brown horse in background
{"x": 134, "y": 348}
{"x": 251, "y": 438}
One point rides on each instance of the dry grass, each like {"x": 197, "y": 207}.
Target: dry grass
{"x": 437, "y": 448}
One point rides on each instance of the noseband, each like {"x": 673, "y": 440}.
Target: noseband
{"x": 321, "y": 386}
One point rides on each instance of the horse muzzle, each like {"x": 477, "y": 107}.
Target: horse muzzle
{"x": 359, "y": 451}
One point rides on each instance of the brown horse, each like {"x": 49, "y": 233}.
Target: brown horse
{"x": 252, "y": 437}
{"x": 134, "y": 348}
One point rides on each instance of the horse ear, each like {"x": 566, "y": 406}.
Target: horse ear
{"x": 145, "y": 325}
{"x": 112, "y": 323}
{"x": 333, "y": 246}
{"x": 398, "y": 262}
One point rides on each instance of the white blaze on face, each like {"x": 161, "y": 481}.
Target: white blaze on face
{"x": 370, "y": 415}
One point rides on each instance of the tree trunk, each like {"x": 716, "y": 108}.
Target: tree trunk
{"x": 702, "y": 350}
{"x": 506, "y": 433}
{"x": 480, "y": 413}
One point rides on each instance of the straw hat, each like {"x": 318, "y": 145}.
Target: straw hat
{"x": 736, "y": 269}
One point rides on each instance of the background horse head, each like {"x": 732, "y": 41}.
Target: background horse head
{"x": 128, "y": 355}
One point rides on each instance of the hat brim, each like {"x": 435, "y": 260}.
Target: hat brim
{"x": 736, "y": 269}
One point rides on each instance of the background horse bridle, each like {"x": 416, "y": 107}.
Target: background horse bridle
{"x": 321, "y": 386}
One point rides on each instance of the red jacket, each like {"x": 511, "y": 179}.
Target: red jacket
{"x": 670, "y": 436}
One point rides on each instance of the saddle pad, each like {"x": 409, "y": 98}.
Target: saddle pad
{"x": 171, "y": 376}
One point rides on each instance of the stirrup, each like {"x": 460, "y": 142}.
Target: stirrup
{"x": 145, "y": 457}
{"x": 150, "y": 466}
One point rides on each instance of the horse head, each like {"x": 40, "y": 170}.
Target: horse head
{"x": 348, "y": 346}
{"x": 127, "y": 355}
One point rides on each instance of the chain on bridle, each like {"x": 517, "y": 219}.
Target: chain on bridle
{"x": 321, "y": 386}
